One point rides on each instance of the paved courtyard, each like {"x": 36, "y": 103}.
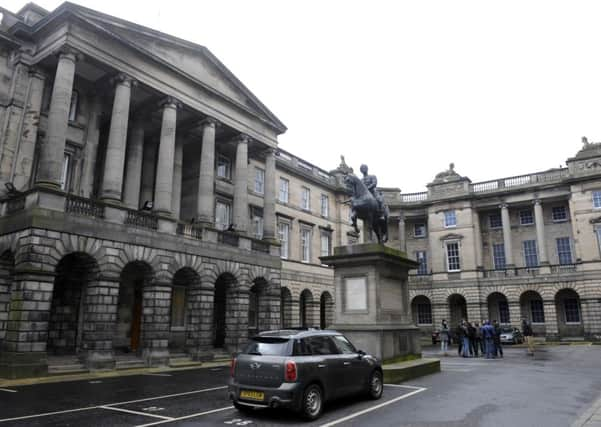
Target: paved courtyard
{"x": 557, "y": 388}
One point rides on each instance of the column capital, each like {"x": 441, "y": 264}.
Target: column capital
{"x": 170, "y": 102}
{"x": 67, "y": 52}
{"x": 209, "y": 121}
{"x": 37, "y": 73}
{"x": 242, "y": 138}
{"x": 503, "y": 206}
{"x": 537, "y": 202}
{"x": 122, "y": 78}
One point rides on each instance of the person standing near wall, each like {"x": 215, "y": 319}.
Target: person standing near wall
{"x": 528, "y": 334}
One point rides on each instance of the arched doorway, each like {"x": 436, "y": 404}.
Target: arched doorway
{"x": 223, "y": 286}
{"x": 134, "y": 277}
{"x": 326, "y": 310}
{"x": 498, "y": 308}
{"x": 306, "y": 308}
{"x": 421, "y": 308}
{"x": 569, "y": 313}
{"x": 457, "y": 309}
{"x": 257, "y": 307}
{"x": 183, "y": 280}
{"x": 65, "y": 325}
{"x": 7, "y": 265}
{"x": 285, "y": 308}
{"x": 532, "y": 308}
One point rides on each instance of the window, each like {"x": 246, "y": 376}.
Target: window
{"x": 257, "y": 222}
{"x": 305, "y": 198}
{"x": 571, "y": 309}
{"x": 325, "y": 205}
{"x": 559, "y": 214}
{"x": 326, "y": 243}
{"x": 537, "y": 311}
{"x": 453, "y": 263}
{"x": 530, "y": 255}
{"x": 596, "y": 199}
{"x": 320, "y": 345}
{"x": 223, "y": 214}
{"x": 66, "y": 172}
{"x": 495, "y": 221}
{"x": 224, "y": 167}
{"x": 419, "y": 230}
{"x": 178, "y": 306}
{"x": 284, "y": 235}
{"x": 564, "y": 251}
{"x": 421, "y": 257}
{"x": 450, "y": 220}
{"x": 424, "y": 314}
{"x": 305, "y": 244}
{"x": 344, "y": 345}
{"x": 498, "y": 256}
{"x": 503, "y": 312}
{"x": 526, "y": 217}
{"x": 284, "y": 186}
{"x": 73, "y": 107}
{"x": 259, "y": 181}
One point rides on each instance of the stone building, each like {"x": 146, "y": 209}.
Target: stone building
{"x": 146, "y": 212}
{"x": 524, "y": 246}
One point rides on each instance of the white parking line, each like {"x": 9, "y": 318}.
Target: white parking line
{"x": 8, "y": 390}
{"x": 87, "y": 408}
{"x": 185, "y": 417}
{"x": 373, "y": 408}
{"x": 157, "y": 375}
{"x": 112, "y": 408}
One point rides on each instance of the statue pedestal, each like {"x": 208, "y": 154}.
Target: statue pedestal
{"x": 372, "y": 299}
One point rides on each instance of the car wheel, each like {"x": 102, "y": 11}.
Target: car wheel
{"x": 376, "y": 386}
{"x": 312, "y": 402}
{"x": 243, "y": 408}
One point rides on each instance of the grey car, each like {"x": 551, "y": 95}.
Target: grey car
{"x": 301, "y": 370}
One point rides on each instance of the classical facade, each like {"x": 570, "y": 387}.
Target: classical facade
{"x": 146, "y": 211}
{"x": 524, "y": 246}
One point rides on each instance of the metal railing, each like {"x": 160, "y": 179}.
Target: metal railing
{"x": 142, "y": 219}
{"x": 228, "y": 238}
{"x": 85, "y": 207}
{"x": 189, "y": 230}
{"x": 414, "y": 197}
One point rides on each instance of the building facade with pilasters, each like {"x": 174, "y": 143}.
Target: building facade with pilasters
{"x": 146, "y": 210}
{"x": 507, "y": 249}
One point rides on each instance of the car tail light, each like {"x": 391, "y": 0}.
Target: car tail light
{"x": 233, "y": 367}
{"x": 291, "y": 373}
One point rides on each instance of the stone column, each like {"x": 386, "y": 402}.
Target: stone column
{"x": 294, "y": 313}
{"x": 269, "y": 197}
{"x": 402, "y": 238}
{"x": 199, "y": 334}
{"x": 100, "y": 319}
{"x": 176, "y": 195}
{"x": 149, "y": 158}
{"x": 133, "y": 168}
{"x": 164, "y": 175}
{"x": 206, "y": 179}
{"x": 156, "y": 323}
{"x": 507, "y": 235}
{"x": 112, "y": 181}
{"x": 540, "y": 232}
{"x": 23, "y": 166}
{"x": 551, "y": 329}
{"x": 91, "y": 147}
{"x": 477, "y": 239}
{"x": 241, "y": 215}
{"x": 236, "y": 321}
{"x": 515, "y": 313}
{"x": 52, "y": 152}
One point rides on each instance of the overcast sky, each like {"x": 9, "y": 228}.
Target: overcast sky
{"x": 498, "y": 88}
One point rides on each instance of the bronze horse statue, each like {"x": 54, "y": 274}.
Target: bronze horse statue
{"x": 368, "y": 208}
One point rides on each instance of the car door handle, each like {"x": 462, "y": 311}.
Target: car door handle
{"x": 347, "y": 363}
{"x": 321, "y": 365}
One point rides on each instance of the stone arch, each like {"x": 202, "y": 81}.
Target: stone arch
{"x": 259, "y": 306}
{"x": 326, "y": 310}
{"x": 421, "y": 310}
{"x": 230, "y": 303}
{"x": 115, "y": 260}
{"x": 9, "y": 242}
{"x": 498, "y": 307}
{"x": 569, "y": 313}
{"x": 181, "y": 326}
{"x": 457, "y": 304}
{"x": 213, "y": 269}
{"x": 306, "y": 308}
{"x": 286, "y": 308}
{"x": 75, "y": 274}
{"x": 425, "y": 292}
{"x": 183, "y": 260}
{"x": 510, "y": 293}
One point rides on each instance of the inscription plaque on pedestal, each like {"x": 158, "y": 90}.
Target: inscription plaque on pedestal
{"x": 355, "y": 297}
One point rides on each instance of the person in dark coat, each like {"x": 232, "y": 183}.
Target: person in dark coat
{"x": 528, "y": 335}
{"x": 488, "y": 333}
{"x": 497, "y": 339}
{"x": 479, "y": 341}
{"x": 472, "y": 339}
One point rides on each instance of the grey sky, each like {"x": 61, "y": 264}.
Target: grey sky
{"x": 499, "y": 88}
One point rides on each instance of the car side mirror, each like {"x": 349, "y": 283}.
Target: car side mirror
{"x": 361, "y": 353}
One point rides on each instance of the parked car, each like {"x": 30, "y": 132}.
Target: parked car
{"x": 301, "y": 370}
{"x": 511, "y": 336}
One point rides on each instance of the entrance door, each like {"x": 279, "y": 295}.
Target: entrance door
{"x": 136, "y": 318}
{"x": 219, "y": 315}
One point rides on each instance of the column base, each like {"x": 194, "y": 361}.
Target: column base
{"x": 100, "y": 360}
{"x": 23, "y": 365}
{"x": 156, "y": 357}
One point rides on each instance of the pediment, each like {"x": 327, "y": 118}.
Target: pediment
{"x": 189, "y": 60}
{"x": 452, "y": 236}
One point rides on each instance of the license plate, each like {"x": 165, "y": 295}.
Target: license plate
{"x": 252, "y": 395}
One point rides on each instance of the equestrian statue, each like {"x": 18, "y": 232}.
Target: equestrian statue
{"x": 367, "y": 204}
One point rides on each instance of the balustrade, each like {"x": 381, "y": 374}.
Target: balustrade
{"x": 85, "y": 207}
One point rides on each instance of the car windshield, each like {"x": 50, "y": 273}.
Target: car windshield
{"x": 506, "y": 330}
{"x": 267, "y": 346}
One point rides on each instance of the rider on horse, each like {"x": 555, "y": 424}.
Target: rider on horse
{"x": 371, "y": 182}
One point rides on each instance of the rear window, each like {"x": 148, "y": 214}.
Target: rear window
{"x": 268, "y": 346}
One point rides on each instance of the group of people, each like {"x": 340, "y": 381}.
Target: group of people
{"x": 475, "y": 340}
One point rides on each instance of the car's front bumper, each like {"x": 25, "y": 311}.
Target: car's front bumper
{"x": 287, "y": 395}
